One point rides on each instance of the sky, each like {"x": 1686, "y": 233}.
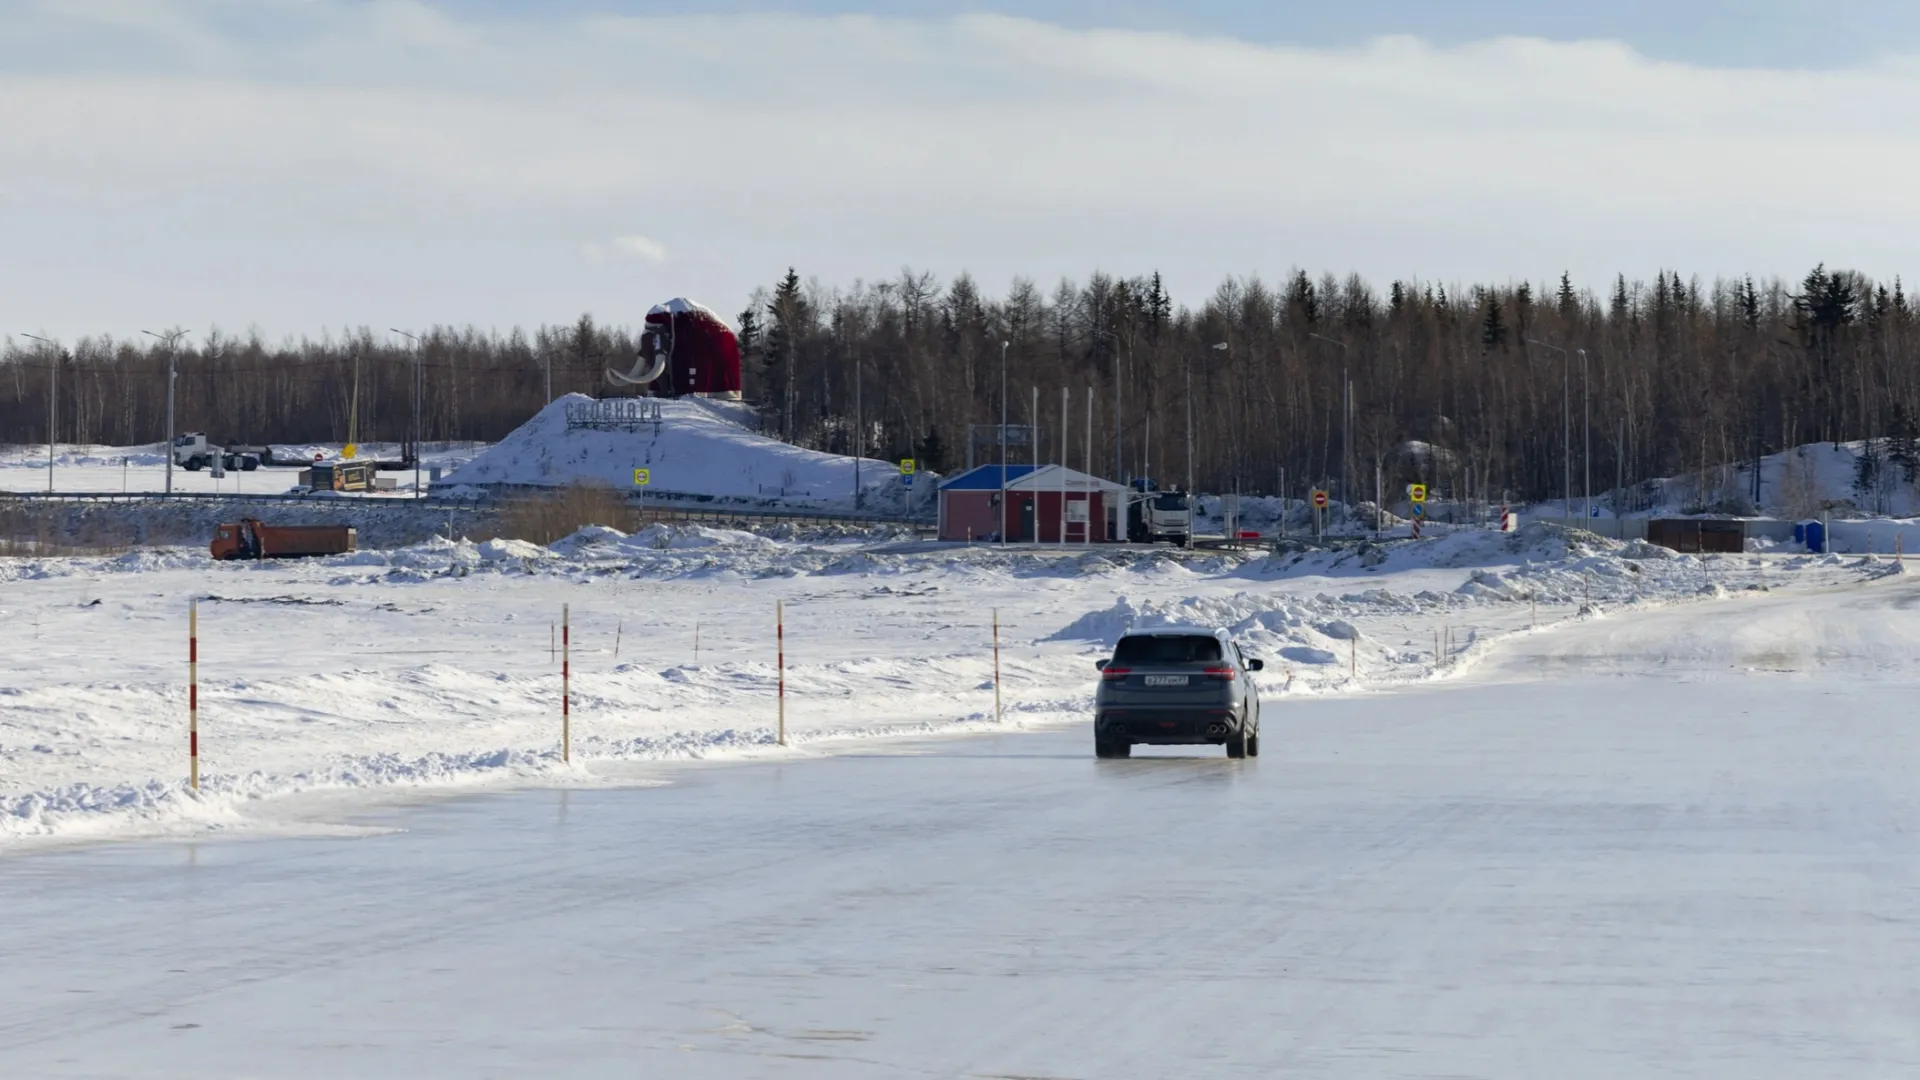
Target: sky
{"x": 306, "y": 166}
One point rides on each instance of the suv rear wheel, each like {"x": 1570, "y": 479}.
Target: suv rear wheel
{"x": 1253, "y": 743}
{"x": 1104, "y": 748}
{"x": 1237, "y": 744}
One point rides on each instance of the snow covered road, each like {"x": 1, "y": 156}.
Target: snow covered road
{"x": 1677, "y": 843}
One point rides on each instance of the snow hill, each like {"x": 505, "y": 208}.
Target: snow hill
{"x": 700, "y": 448}
{"x": 1848, "y": 479}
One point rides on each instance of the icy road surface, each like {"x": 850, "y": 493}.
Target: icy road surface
{"x": 1679, "y": 843}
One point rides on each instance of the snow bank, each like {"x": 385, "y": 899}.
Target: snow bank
{"x": 700, "y": 448}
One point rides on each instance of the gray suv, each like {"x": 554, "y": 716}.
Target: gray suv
{"x": 1177, "y": 686}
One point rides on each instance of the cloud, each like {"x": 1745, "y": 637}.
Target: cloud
{"x": 627, "y": 247}
{"x": 851, "y": 145}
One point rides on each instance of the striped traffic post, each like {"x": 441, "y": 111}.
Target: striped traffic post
{"x": 193, "y": 694}
{"x": 566, "y": 685}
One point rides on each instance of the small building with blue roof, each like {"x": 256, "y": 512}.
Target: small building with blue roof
{"x": 1047, "y": 504}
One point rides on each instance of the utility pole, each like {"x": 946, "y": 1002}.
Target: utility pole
{"x": 417, "y": 492}
{"x": 171, "y": 337}
{"x": 53, "y": 401}
{"x": 1566, "y": 420}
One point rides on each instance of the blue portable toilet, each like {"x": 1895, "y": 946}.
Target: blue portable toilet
{"x": 1800, "y": 533}
{"x": 1814, "y": 535}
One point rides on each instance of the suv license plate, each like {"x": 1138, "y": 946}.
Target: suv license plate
{"x": 1166, "y": 680}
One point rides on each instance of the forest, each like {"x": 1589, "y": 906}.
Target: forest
{"x": 1481, "y": 391}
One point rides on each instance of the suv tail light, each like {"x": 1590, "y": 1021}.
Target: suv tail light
{"x": 1224, "y": 674}
{"x": 1115, "y": 674}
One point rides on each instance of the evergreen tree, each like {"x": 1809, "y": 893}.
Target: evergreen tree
{"x": 1493, "y": 326}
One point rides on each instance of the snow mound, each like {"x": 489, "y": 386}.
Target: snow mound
{"x": 700, "y": 448}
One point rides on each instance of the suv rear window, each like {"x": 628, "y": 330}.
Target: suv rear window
{"x": 1147, "y": 649}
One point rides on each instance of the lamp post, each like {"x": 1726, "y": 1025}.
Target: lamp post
{"x": 1346, "y": 415}
{"x": 1566, "y": 419}
{"x": 417, "y": 359}
{"x": 171, "y": 337}
{"x": 1586, "y": 439}
{"x": 1217, "y": 347}
{"x": 1119, "y": 459}
{"x": 1002, "y": 526}
{"x": 53, "y": 401}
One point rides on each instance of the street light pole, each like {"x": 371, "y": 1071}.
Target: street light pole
{"x": 1001, "y": 526}
{"x": 171, "y": 337}
{"x": 1346, "y": 416}
{"x": 1566, "y": 420}
{"x": 417, "y": 493}
{"x": 53, "y": 401}
{"x": 1586, "y": 438}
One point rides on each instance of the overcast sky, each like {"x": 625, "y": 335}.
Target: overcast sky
{"x": 306, "y": 165}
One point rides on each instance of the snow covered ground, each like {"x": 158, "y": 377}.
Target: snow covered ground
{"x": 434, "y": 666}
{"x": 1671, "y": 841}
{"x": 134, "y": 469}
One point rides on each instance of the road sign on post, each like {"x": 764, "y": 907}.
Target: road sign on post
{"x": 1319, "y": 500}
{"x": 1416, "y": 493}
{"x": 907, "y": 468}
{"x": 642, "y": 477}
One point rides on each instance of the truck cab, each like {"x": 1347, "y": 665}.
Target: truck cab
{"x": 1155, "y": 516}
{"x": 193, "y": 452}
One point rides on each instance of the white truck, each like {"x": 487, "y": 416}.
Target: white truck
{"x": 1155, "y": 516}
{"x": 193, "y": 452}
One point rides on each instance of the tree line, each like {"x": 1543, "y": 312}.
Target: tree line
{"x": 1331, "y": 382}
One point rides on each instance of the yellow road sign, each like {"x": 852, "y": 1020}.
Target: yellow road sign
{"x": 642, "y": 477}
{"x": 907, "y": 467}
{"x": 348, "y": 451}
{"x": 1320, "y": 499}
{"x": 1416, "y": 493}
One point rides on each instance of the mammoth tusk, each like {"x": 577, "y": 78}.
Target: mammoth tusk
{"x": 634, "y": 377}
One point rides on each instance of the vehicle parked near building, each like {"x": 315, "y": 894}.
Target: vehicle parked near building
{"x": 1177, "y": 686}
{"x": 1155, "y": 516}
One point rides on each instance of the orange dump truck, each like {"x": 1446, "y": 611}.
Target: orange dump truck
{"x": 253, "y": 539}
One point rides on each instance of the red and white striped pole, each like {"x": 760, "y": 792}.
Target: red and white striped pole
{"x": 193, "y": 694}
{"x": 566, "y": 685}
{"x": 780, "y": 635}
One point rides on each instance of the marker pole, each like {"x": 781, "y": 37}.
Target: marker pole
{"x": 780, "y": 636}
{"x": 996, "y": 666}
{"x": 193, "y": 694}
{"x": 566, "y": 685}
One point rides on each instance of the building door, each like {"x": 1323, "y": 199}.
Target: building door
{"x": 1026, "y": 532}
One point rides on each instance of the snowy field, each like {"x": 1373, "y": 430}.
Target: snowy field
{"x": 135, "y": 469}
{"x": 435, "y": 666}
{"x": 1670, "y": 833}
